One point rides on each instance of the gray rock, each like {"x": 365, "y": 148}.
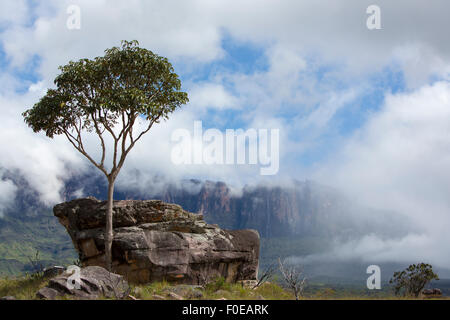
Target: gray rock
{"x": 155, "y": 241}
{"x": 48, "y": 293}
{"x": 94, "y": 282}
{"x": 53, "y": 271}
{"x": 8, "y": 298}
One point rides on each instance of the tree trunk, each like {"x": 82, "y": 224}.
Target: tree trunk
{"x": 109, "y": 225}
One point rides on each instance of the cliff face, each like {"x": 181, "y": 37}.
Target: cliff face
{"x": 213, "y": 200}
{"x": 300, "y": 209}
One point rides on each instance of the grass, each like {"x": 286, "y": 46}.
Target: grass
{"x": 25, "y": 288}
{"x": 268, "y": 291}
{"x": 215, "y": 290}
{"x": 21, "y": 238}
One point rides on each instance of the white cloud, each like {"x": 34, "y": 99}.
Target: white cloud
{"x": 399, "y": 161}
{"x": 41, "y": 160}
{"x": 335, "y": 31}
{"x": 211, "y": 95}
{"x": 13, "y": 12}
{"x": 413, "y": 248}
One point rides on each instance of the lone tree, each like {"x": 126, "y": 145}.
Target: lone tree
{"x": 412, "y": 280}
{"x": 108, "y": 96}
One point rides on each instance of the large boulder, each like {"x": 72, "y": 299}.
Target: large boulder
{"x": 91, "y": 283}
{"x": 156, "y": 241}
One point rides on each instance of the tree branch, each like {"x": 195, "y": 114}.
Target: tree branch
{"x": 125, "y": 151}
{"x": 80, "y": 148}
{"x": 97, "y": 129}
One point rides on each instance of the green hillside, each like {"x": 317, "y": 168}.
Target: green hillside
{"x": 22, "y": 238}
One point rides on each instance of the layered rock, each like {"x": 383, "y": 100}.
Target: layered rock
{"x": 156, "y": 241}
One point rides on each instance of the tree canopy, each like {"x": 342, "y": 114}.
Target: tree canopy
{"x": 96, "y": 95}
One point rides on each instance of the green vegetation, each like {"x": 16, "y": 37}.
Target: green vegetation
{"x": 215, "y": 290}
{"x": 20, "y": 239}
{"x": 26, "y": 287}
{"x": 23, "y": 288}
{"x": 412, "y": 280}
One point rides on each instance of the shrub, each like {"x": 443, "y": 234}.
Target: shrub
{"x": 412, "y": 280}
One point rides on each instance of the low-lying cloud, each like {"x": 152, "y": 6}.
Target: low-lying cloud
{"x": 7, "y": 195}
{"x": 399, "y": 161}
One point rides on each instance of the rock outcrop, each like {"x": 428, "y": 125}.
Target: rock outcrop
{"x": 91, "y": 283}
{"x": 154, "y": 240}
